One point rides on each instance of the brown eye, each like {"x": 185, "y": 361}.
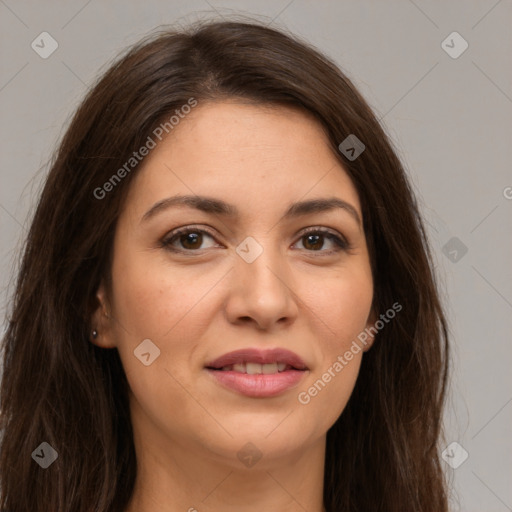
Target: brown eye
{"x": 186, "y": 239}
{"x": 191, "y": 240}
{"x": 314, "y": 241}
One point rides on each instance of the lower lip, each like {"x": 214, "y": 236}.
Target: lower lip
{"x": 258, "y": 386}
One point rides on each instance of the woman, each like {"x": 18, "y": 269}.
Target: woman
{"x": 226, "y": 299}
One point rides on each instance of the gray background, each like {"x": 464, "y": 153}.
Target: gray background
{"x": 450, "y": 119}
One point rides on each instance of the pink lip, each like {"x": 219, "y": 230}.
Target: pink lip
{"x": 263, "y": 385}
{"x": 252, "y": 355}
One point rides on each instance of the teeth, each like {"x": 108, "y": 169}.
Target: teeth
{"x": 256, "y": 368}
{"x": 269, "y": 368}
{"x": 253, "y": 368}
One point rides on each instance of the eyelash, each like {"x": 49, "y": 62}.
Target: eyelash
{"x": 166, "y": 242}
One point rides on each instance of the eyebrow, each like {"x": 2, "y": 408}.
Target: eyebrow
{"x": 219, "y": 207}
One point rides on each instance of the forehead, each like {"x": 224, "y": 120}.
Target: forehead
{"x": 251, "y": 155}
{"x": 237, "y": 129}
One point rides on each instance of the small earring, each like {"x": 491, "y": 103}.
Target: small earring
{"x": 95, "y": 334}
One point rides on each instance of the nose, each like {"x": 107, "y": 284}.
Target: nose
{"x": 261, "y": 293}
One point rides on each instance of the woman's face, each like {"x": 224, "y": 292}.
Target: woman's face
{"x": 246, "y": 278}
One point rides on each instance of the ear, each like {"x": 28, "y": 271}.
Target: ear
{"x": 372, "y": 318}
{"x": 102, "y": 321}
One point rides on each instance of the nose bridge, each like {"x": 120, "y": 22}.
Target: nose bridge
{"x": 261, "y": 290}
{"x": 260, "y": 264}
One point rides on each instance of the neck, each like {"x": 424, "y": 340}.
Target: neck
{"x": 173, "y": 477}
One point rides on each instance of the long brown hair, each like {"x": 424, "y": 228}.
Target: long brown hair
{"x": 58, "y": 387}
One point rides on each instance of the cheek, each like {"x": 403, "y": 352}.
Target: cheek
{"x": 168, "y": 307}
{"x": 326, "y": 398}
{"x": 163, "y": 307}
{"x": 152, "y": 298}
{"x": 344, "y": 307}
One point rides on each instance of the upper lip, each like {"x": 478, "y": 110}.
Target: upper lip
{"x": 253, "y": 355}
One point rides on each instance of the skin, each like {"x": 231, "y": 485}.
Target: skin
{"x": 200, "y": 305}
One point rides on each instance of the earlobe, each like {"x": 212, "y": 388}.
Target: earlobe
{"x": 101, "y": 329}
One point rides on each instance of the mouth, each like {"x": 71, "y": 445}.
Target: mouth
{"x": 256, "y": 373}
{"x": 255, "y": 368}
